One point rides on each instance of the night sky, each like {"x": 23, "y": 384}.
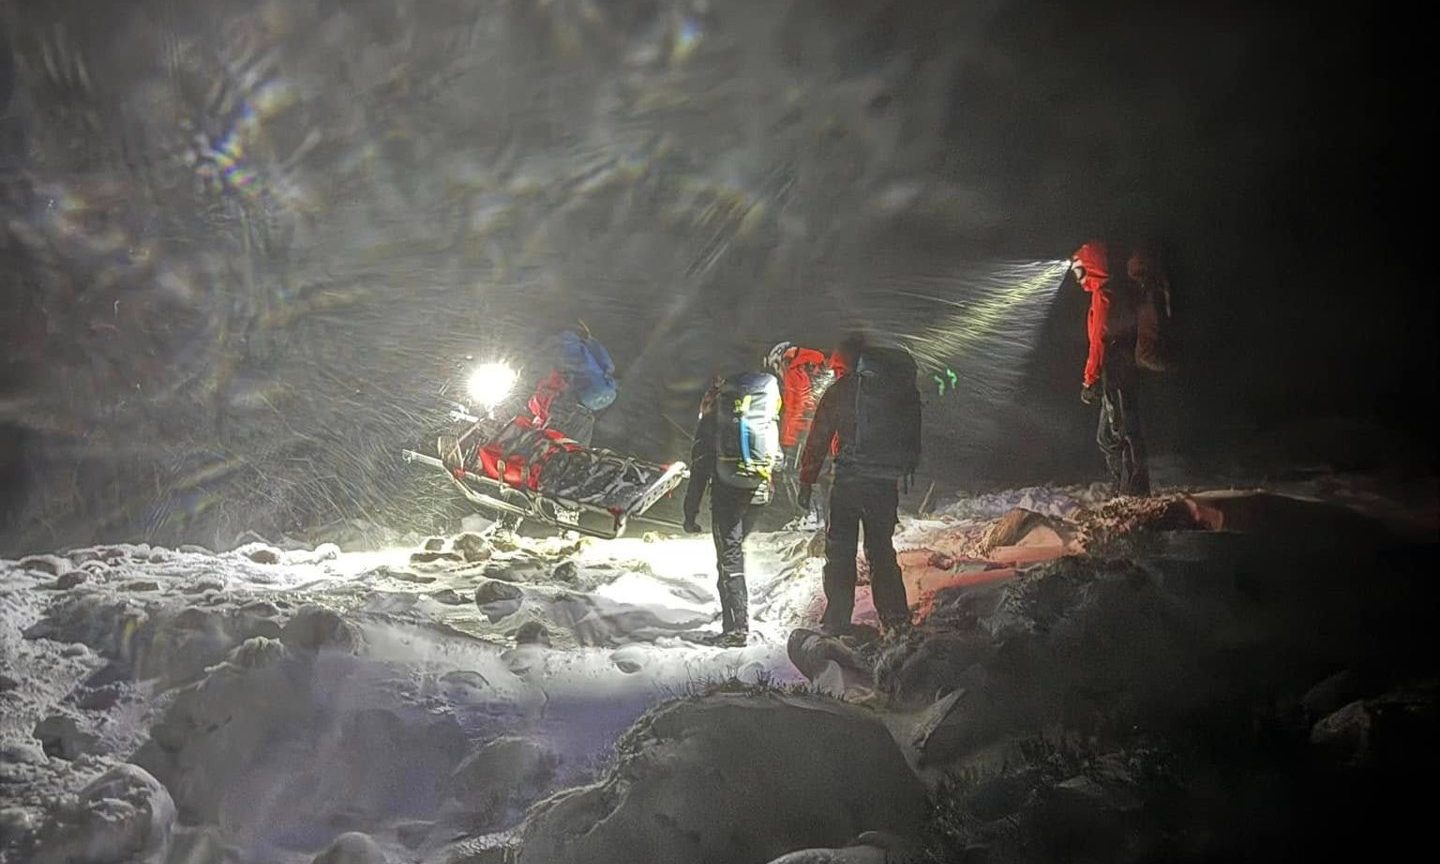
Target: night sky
{"x": 376, "y": 184}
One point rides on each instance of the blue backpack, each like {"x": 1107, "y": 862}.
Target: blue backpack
{"x": 588, "y": 367}
{"x": 747, "y": 430}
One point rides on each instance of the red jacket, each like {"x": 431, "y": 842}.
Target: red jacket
{"x": 546, "y": 391}
{"x": 1095, "y": 263}
{"x": 798, "y": 397}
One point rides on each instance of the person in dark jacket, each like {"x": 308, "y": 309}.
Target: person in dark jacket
{"x": 859, "y": 497}
{"x": 1111, "y": 375}
{"x": 733, "y": 512}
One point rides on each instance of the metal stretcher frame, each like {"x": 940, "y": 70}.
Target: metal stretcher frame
{"x": 490, "y": 493}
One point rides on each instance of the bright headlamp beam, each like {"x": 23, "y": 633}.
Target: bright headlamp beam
{"x": 490, "y": 383}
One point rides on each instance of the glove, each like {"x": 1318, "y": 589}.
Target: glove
{"x": 804, "y": 497}
{"x": 691, "y": 526}
{"x": 1089, "y": 393}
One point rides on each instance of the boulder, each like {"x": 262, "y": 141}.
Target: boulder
{"x": 733, "y": 777}
{"x": 62, "y": 737}
{"x": 472, "y": 547}
{"x": 71, "y": 579}
{"x": 498, "y": 599}
{"x": 124, "y": 815}
{"x": 312, "y": 628}
{"x": 532, "y": 633}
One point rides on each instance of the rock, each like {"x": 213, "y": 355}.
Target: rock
{"x": 407, "y": 576}
{"x": 21, "y": 753}
{"x": 315, "y": 627}
{"x": 498, "y": 599}
{"x": 16, "y": 825}
{"x": 63, "y": 738}
{"x": 532, "y": 633}
{"x": 472, "y": 546}
{"x": 733, "y": 776}
{"x": 520, "y": 569}
{"x": 503, "y": 776}
{"x": 449, "y": 597}
{"x": 1393, "y": 732}
{"x": 352, "y": 848}
{"x": 260, "y": 553}
{"x": 434, "y": 544}
{"x": 50, "y": 565}
{"x": 849, "y": 855}
{"x": 97, "y": 699}
{"x": 1332, "y": 694}
{"x": 71, "y": 579}
{"x": 494, "y": 591}
{"x": 140, "y": 585}
{"x": 433, "y": 557}
{"x": 124, "y": 815}
{"x": 1343, "y": 737}
{"x": 80, "y": 556}
{"x": 7, "y": 683}
{"x": 630, "y": 659}
{"x": 566, "y": 571}
{"x": 260, "y": 609}
{"x": 935, "y": 717}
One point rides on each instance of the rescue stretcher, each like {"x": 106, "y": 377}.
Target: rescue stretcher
{"x": 520, "y": 469}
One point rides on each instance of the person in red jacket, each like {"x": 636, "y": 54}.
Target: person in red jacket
{"x": 1110, "y": 371}
{"x": 804, "y": 374}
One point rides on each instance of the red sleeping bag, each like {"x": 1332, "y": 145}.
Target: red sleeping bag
{"x": 518, "y": 455}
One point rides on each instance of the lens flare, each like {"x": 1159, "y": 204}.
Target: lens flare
{"x": 490, "y": 383}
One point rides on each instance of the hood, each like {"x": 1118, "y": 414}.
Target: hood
{"x": 1095, "y": 260}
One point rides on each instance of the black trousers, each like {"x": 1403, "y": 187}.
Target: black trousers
{"x": 732, "y": 516}
{"x": 1119, "y": 434}
{"x": 873, "y": 504}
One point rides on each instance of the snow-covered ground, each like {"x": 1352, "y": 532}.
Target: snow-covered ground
{"x": 254, "y": 705}
{"x": 284, "y": 697}
{"x": 98, "y": 644}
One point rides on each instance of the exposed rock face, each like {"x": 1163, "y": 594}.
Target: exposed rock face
{"x": 733, "y": 778}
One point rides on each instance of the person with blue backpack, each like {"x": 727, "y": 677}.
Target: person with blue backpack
{"x": 735, "y": 453}
{"x": 580, "y": 385}
{"x": 874, "y": 415}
